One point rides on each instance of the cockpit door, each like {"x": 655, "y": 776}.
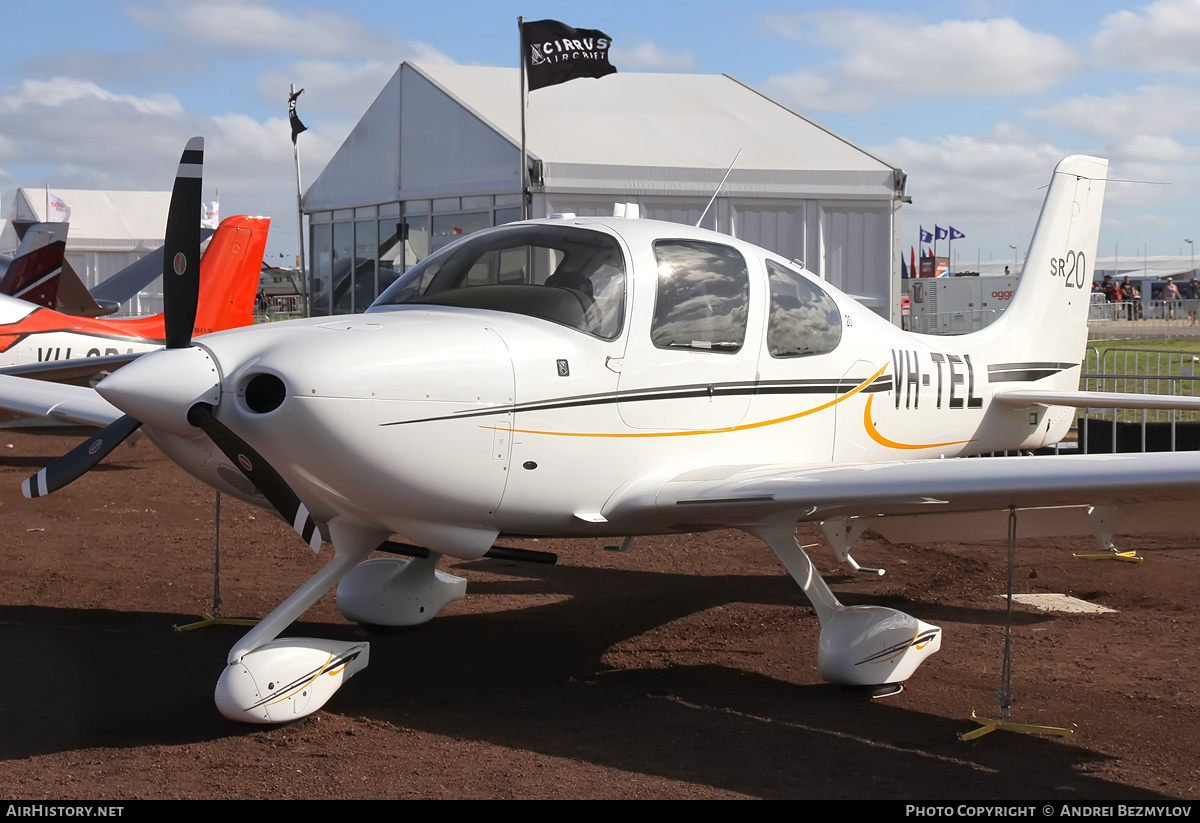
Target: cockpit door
{"x": 692, "y": 356}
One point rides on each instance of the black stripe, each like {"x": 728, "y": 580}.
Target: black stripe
{"x": 821, "y": 386}
{"x": 1041, "y": 364}
{"x": 1025, "y": 372}
{"x": 193, "y": 157}
{"x": 1022, "y": 376}
{"x": 763, "y": 498}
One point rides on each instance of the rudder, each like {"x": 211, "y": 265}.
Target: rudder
{"x": 229, "y": 274}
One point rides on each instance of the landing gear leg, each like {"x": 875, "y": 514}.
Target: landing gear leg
{"x": 274, "y": 681}
{"x": 860, "y": 645}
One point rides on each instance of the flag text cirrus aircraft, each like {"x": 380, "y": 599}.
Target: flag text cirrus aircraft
{"x": 612, "y": 377}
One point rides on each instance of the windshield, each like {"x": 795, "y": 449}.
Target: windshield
{"x": 563, "y": 274}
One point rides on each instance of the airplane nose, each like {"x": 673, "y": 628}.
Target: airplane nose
{"x": 160, "y": 387}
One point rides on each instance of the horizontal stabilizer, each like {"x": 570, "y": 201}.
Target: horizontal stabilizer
{"x": 1026, "y": 398}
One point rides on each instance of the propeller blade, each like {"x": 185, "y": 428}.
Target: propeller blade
{"x": 77, "y": 462}
{"x": 259, "y": 472}
{"x": 181, "y": 249}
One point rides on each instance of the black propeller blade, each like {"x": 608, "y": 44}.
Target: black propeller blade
{"x": 181, "y": 291}
{"x": 259, "y": 472}
{"x": 181, "y": 248}
{"x": 80, "y": 460}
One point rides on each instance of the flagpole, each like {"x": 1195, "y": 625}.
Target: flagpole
{"x": 524, "y": 151}
{"x": 300, "y": 224}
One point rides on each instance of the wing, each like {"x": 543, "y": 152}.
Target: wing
{"x": 933, "y": 499}
{"x": 55, "y": 402}
{"x": 81, "y": 371}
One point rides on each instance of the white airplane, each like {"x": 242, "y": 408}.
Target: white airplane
{"x": 595, "y": 376}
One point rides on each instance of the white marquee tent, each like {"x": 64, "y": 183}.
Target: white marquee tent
{"x": 438, "y": 153}
{"x": 109, "y": 229}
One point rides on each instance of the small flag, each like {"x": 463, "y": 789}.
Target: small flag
{"x": 555, "y": 53}
{"x": 903, "y": 268}
{"x": 297, "y": 126}
{"x": 60, "y": 210}
{"x": 926, "y": 237}
{"x": 939, "y": 232}
{"x": 210, "y": 214}
{"x": 955, "y": 234}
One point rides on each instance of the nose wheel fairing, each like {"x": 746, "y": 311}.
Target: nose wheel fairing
{"x": 287, "y": 679}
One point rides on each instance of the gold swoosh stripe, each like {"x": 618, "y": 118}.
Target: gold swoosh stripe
{"x": 892, "y": 444}
{"x": 725, "y": 430}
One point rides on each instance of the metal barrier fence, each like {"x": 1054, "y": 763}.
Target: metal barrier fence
{"x": 952, "y": 322}
{"x": 280, "y": 307}
{"x": 1134, "y": 319}
{"x": 1158, "y": 371}
{"x": 1127, "y": 320}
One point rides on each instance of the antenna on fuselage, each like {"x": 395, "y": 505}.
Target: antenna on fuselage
{"x": 718, "y": 191}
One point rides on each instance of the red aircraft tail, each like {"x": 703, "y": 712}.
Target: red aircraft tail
{"x": 229, "y": 274}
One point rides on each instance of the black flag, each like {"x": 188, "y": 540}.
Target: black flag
{"x": 297, "y": 126}
{"x": 555, "y": 53}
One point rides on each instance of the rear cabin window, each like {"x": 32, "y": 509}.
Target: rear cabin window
{"x": 567, "y": 275}
{"x": 703, "y": 296}
{"x": 804, "y": 319}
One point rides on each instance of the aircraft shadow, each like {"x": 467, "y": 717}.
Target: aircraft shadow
{"x": 535, "y": 679}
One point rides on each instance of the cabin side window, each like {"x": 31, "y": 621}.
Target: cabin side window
{"x": 703, "y": 296}
{"x": 804, "y": 319}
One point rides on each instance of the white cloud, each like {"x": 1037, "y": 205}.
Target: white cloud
{"x": 1164, "y": 36}
{"x": 1147, "y": 110}
{"x": 993, "y": 188}
{"x": 62, "y": 90}
{"x": 249, "y": 28}
{"x": 643, "y": 55}
{"x": 887, "y": 58}
{"x": 329, "y": 86}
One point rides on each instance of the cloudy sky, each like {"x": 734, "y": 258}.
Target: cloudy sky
{"x": 975, "y": 99}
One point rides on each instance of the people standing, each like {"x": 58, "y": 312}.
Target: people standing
{"x": 1171, "y": 296}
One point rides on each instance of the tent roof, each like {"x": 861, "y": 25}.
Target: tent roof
{"x": 656, "y": 120}
{"x": 448, "y": 130}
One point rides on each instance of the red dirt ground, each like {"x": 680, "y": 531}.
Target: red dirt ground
{"x": 685, "y": 668}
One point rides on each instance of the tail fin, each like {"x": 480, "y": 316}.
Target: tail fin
{"x": 229, "y": 274}
{"x": 1047, "y": 317}
{"x": 75, "y": 299}
{"x": 33, "y": 275}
